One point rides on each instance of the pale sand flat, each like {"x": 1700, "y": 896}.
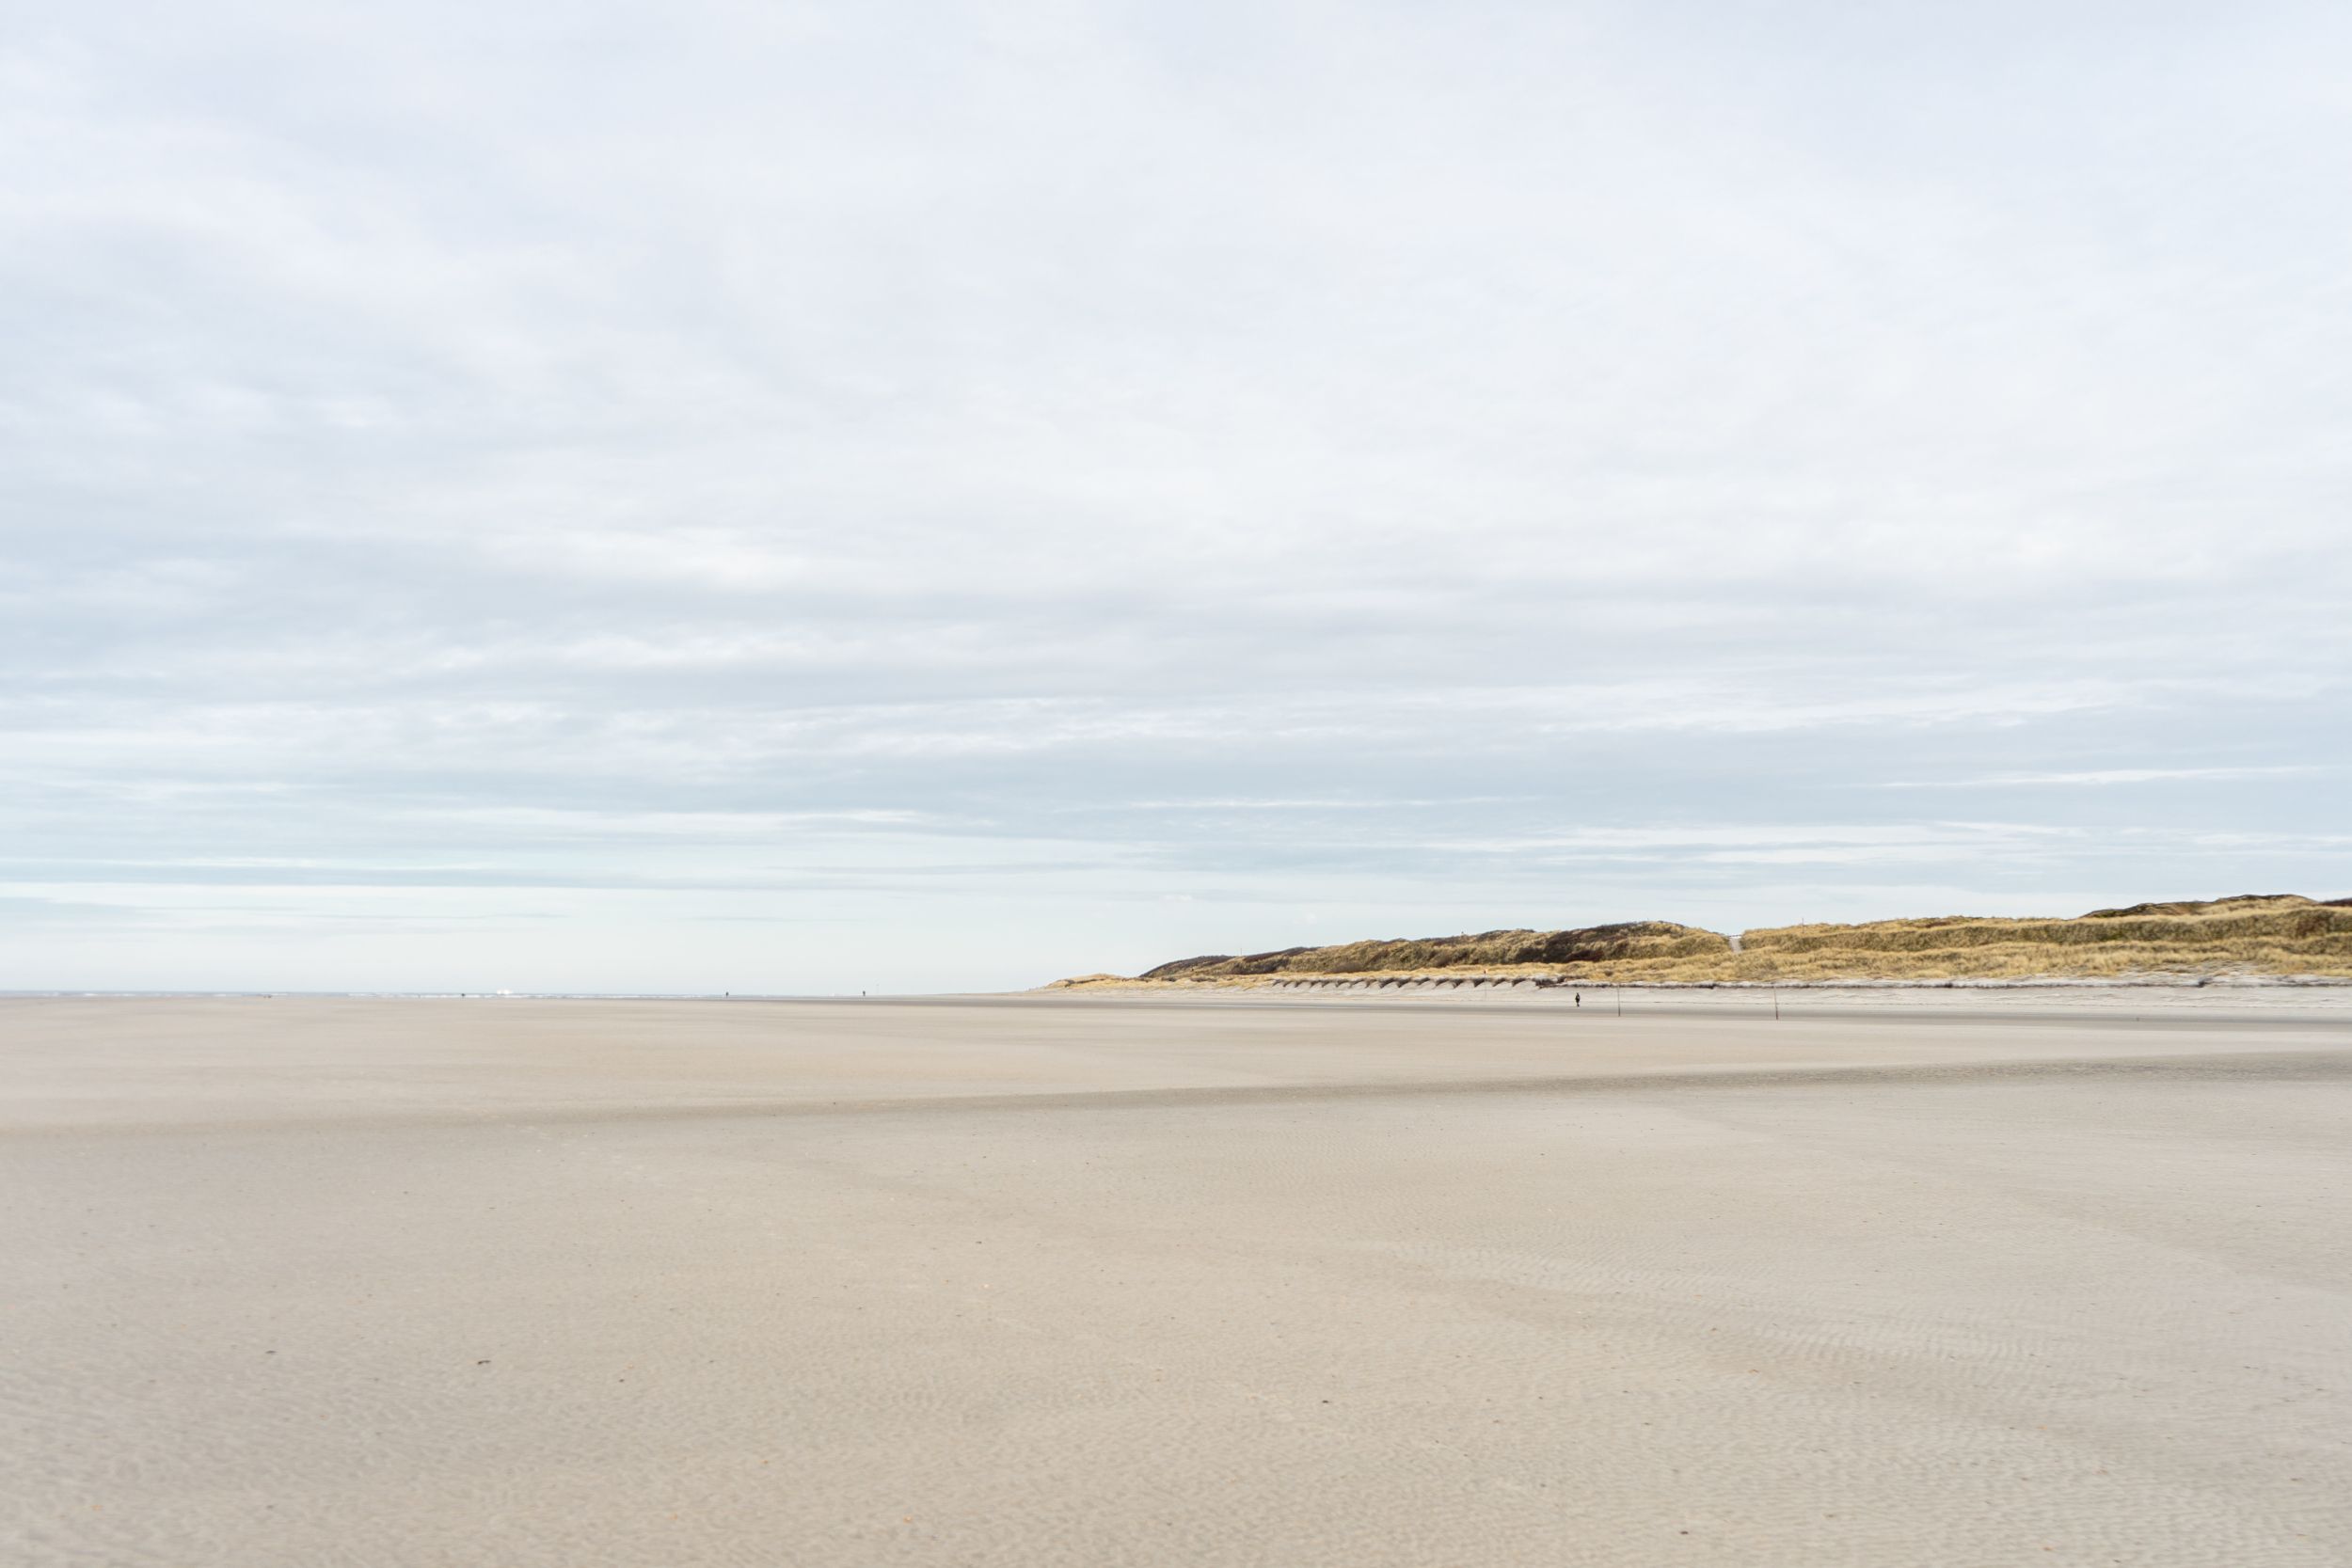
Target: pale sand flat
{"x": 1073, "y": 1282}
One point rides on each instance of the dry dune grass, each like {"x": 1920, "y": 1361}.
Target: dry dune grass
{"x": 1634, "y": 942}
{"x": 2252, "y": 934}
{"x": 2273, "y": 935}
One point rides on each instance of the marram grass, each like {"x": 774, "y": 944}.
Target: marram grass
{"x": 2250, "y": 935}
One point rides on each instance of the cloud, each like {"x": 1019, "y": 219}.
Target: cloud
{"x": 2102, "y": 776}
{"x": 1204, "y": 465}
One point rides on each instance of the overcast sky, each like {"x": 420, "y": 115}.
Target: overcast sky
{"x": 812, "y": 499}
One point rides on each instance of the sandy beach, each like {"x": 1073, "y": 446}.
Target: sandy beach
{"x": 1941, "y": 1280}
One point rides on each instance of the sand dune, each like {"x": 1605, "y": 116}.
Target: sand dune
{"x": 2282, "y": 934}
{"x": 1061, "y": 1281}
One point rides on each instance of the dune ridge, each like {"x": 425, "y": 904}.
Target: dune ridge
{"x": 2250, "y": 934}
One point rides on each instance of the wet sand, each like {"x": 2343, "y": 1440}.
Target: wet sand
{"x": 1960, "y": 1280}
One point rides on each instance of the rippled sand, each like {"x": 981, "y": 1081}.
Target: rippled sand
{"x": 1056, "y": 1282}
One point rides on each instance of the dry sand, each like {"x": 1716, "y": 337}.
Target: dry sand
{"x": 1955, "y": 1280}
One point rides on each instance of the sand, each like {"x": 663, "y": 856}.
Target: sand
{"x": 1067, "y": 1281}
